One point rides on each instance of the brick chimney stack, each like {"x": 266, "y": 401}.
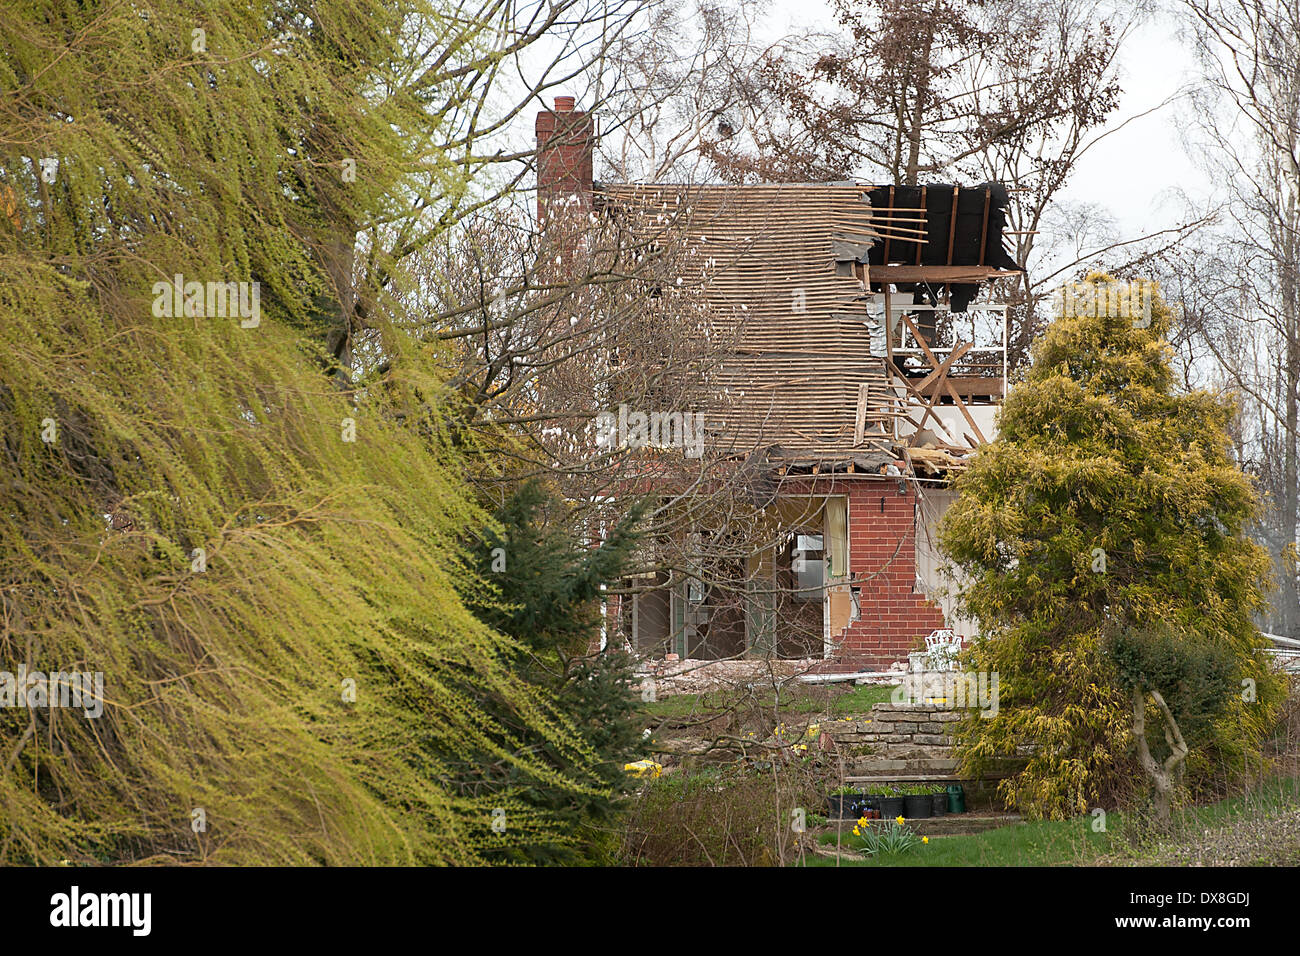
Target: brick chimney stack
{"x": 566, "y": 138}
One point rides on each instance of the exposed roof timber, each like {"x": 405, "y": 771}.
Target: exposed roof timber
{"x": 920, "y": 339}
{"x": 783, "y": 271}
{"x": 901, "y": 273}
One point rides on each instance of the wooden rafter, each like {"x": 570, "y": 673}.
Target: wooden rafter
{"x": 942, "y": 371}
{"x": 961, "y": 406}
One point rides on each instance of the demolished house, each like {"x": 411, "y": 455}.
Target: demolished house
{"x": 867, "y": 362}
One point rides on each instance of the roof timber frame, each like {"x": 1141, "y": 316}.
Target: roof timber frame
{"x": 802, "y": 376}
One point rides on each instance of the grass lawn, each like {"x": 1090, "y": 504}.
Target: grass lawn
{"x": 860, "y": 699}
{"x": 1043, "y": 843}
{"x": 1063, "y": 842}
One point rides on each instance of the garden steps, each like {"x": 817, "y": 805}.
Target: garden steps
{"x": 958, "y": 824}
{"x": 903, "y": 743}
{"x": 936, "y": 771}
{"x": 929, "y": 766}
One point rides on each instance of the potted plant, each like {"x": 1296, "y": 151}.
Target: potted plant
{"x": 917, "y": 802}
{"x": 871, "y": 802}
{"x": 891, "y": 803}
{"x": 939, "y": 798}
{"x": 869, "y": 806}
{"x": 843, "y": 802}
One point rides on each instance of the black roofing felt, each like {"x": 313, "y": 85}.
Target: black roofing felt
{"x": 938, "y": 213}
{"x": 969, "y": 246}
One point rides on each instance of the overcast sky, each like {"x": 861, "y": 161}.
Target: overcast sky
{"x": 1132, "y": 172}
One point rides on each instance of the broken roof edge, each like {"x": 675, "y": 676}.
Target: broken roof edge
{"x": 865, "y": 463}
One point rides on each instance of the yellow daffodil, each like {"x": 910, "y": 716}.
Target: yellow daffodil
{"x": 899, "y": 820}
{"x": 925, "y": 839}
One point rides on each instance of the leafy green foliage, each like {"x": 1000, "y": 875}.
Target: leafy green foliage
{"x": 1195, "y": 678}
{"x": 1109, "y": 505}
{"x": 548, "y": 591}
{"x": 885, "y": 837}
{"x": 549, "y": 585}
{"x": 326, "y": 560}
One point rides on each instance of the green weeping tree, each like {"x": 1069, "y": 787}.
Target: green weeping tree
{"x": 264, "y": 566}
{"x": 1102, "y": 545}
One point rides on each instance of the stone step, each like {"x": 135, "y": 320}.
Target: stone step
{"x": 869, "y": 766}
{"x": 894, "y": 713}
{"x": 953, "y": 824}
{"x": 908, "y": 752}
{"x": 866, "y": 731}
{"x": 874, "y": 770}
{"x": 956, "y": 824}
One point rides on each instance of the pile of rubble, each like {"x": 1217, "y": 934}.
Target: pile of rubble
{"x": 691, "y": 676}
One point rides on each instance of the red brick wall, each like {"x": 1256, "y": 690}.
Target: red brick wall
{"x": 882, "y": 560}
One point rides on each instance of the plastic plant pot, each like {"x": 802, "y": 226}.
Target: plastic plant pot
{"x": 939, "y": 803}
{"x": 918, "y": 806}
{"x": 891, "y": 807}
{"x": 842, "y": 805}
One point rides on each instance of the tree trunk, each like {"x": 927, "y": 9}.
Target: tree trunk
{"x": 919, "y": 105}
{"x": 1290, "y": 295}
{"x": 1164, "y": 777}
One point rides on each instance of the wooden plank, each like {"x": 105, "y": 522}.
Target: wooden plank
{"x": 839, "y": 608}
{"x": 952, "y": 222}
{"x": 884, "y": 256}
{"x": 942, "y": 370}
{"x": 968, "y": 385}
{"x": 860, "y": 416}
{"x": 905, "y": 220}
{"x": 936, "y": 274}
{"x": 920, "y": 340}
{"x": 923, "y": 212}
{"x": 970, "y": 420}
{"x": 942, "y": 373}
{"x": 907, "y": 460}
{"x": 925, "y": 403}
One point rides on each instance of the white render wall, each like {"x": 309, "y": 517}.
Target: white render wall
{"x": 937, "y": 587}
{"x": 955, "y": 422}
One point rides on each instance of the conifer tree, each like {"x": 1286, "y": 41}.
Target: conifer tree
{"x": 1103, "y": 543}
{"x": 547, "y": 596}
